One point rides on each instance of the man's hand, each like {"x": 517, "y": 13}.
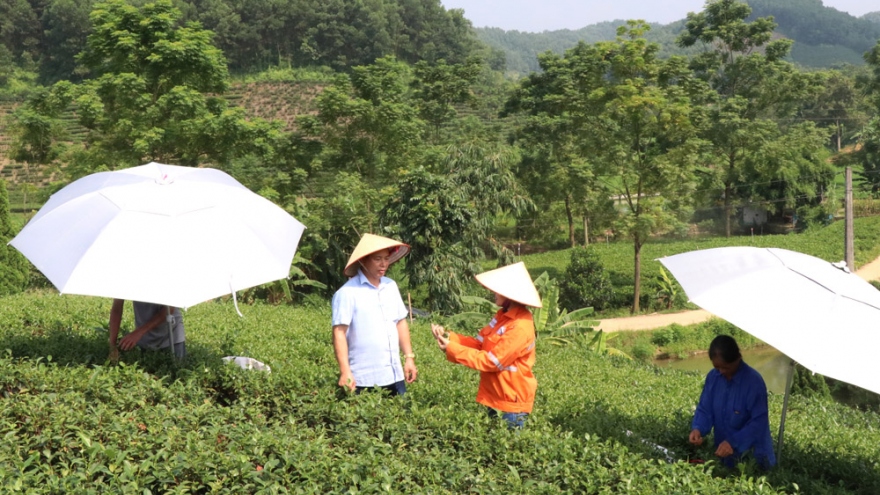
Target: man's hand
{"x": 724, "y": 449}
{"x": 346, "y": 380}
{"x": 696, "y": 437}
{"x": 130, "y": 341}
{"x": 409, "y": 370}
{"x": 114, "y": 354}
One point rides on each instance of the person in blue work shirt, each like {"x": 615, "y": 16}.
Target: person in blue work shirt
{"x": 369, "y": 321}
{"x": 734, "y": 403}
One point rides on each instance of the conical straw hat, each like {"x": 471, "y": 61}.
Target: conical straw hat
{"x": 512, "y": 282}
{"x": 368, "y": 245}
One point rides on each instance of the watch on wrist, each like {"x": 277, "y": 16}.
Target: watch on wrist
{"x": 411, "y": 355}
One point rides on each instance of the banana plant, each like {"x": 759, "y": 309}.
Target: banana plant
{"x": 283, "y": 290}
{"x": 668, "y": 291}
{"x": 560, "y": 327}
{"x": 482, "y": 311}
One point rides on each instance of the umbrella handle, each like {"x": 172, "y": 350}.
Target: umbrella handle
{"x": 788, "y": 380}
{"x": 235, "y": 299}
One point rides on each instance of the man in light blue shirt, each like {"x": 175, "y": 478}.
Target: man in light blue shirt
{"x": 369, "y": 321}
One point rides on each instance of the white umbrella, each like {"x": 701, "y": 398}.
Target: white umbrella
{"x": 158, "y": 233}
{"x": 813, "y": 311}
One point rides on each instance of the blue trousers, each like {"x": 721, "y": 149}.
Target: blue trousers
{"x": 514, "y": 420}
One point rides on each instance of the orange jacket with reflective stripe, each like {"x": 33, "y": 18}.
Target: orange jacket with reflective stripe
{"x": 504, "y": 354}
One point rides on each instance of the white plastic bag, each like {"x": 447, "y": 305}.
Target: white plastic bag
{"x": 247, "y": 363}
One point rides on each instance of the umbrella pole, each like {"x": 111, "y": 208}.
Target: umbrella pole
{"x": 788, "y": 380}
{"x": 170, "y": 320}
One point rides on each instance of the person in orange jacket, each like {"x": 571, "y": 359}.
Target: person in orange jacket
{"x": 504, "y": 350}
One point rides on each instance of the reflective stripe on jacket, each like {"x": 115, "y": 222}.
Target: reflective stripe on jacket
{"x": 504, "y": 354}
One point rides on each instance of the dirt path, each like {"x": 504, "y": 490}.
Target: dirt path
{"x": 869, "y": 271}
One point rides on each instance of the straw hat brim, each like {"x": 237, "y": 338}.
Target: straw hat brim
{"x": 512, "y": 282}
{"x": 370, "y": 244}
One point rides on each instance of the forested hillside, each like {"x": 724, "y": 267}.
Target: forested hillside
{"x": 521, "y": 49}
{"x": 823, "y": 36}
{"x": 46, "y": 35}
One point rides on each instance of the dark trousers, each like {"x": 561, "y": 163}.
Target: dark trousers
{"x": 398, "y": 388}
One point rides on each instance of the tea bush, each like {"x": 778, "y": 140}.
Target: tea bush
{"x": 72, "y": 423}
{"x": 585, "y": 283}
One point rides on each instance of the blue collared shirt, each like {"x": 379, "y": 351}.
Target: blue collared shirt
{"x": 371, "y": 314}
{"x": 737, "y": 409}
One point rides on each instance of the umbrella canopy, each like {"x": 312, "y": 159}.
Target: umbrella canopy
{"x": 813, "y": 311}
{"x": 159, "y": 233}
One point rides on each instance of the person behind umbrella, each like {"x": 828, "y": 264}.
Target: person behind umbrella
{"x": 734, "y": 403}
{"x": 151, "y": 329}
{"x": 369, "y": 321}
{"x": 504, "y": 350}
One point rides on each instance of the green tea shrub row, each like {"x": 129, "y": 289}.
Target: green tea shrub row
{"x": 71, "y": 423}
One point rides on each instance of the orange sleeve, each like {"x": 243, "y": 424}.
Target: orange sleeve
{"x": 471, "y": 342}
{"x": 513, "y": 344}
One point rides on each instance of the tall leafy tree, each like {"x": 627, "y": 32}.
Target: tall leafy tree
{"x": 440, "y": 86}
{"x": 369, "y": 130}
{"x": 868, "y": 154}
{"x": 153, "y": 92}
{"x": 644, "y": 134}
{"x": 66, "y": 27}
{"x": 752, "y": 87}
{"x": 554, "y": 167}
{"x": 841, "y": 107}
{"x": 367, "y": 121}
{"x": 446, "y": 215}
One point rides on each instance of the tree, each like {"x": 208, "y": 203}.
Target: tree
{"x": 438, "y": 86}
{"x": 841, "y": 107}
{"x": 66, "y": 27}
{"x": 868, "y": 154}
{"x": 446, "y": 216}
{"x": 752, "y": 88}
{"x": 553, "y": 168}
{"x": 367, "y": 121}
{"x": 153, "y": 92}
{"x": 642, "y": 131}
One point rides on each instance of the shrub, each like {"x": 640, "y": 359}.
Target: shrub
{"x": 13, "y": 266}
{"x": 643, "y": 350}
{"x": 585, "y": 283}
{"x": 805, "y": 382}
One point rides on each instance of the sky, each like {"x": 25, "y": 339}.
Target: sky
{"x": 550, "y": 15}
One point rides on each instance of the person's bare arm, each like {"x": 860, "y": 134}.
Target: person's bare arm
{"x": 115, "y": 321}
{"x": 129, "y": 341}
{"x": 410, "y": 372}
{"x": 340, "y": 347}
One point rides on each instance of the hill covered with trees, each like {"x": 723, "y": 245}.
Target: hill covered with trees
{"x": 46, "y": 36}
{"x": 823, "y": 36}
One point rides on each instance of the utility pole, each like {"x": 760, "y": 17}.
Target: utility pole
{"x": 848, "y": 222}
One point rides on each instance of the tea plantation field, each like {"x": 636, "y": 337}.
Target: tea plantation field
{"x": 617, "y": 257}
{"x": 71, "y": 423}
